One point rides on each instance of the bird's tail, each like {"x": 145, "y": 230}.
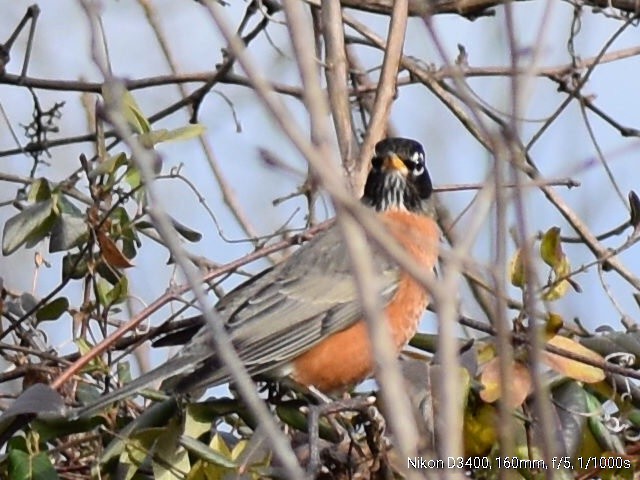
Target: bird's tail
{"x": 172, "y": 367}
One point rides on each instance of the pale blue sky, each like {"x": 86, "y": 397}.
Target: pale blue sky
{"x": 61, "y": 51}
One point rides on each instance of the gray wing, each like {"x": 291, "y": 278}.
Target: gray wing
{"x": 271, "y": 319}
{"x": 288, "y": 310}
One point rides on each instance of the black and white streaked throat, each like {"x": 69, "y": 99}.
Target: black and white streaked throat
{"x": 398, "y": 179}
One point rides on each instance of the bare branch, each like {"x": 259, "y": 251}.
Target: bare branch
{"x": 336, "y": 72}
{"x": 386, "y": 91}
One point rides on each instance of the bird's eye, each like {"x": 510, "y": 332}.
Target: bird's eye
{"x": 417, "y": 169}
{"x": 416, "y": 164}
{"x": 376, "y": 162}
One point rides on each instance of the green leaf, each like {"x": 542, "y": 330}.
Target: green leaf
{"x": 97, "y": 364}
{"x": 53, "y": 309}
{"x": 194, "y": 424}
{"x": 175, "y": 459}
{"x": 18, "y": 443}
{"x": 23, "y": 466}
{"x": 49, "y": 429}
{"x": 30, "y": 225}
{"x": 39, "y": 191}
{"x": 163, "y": 135}
{"x": 132, "y": 177}
{"x": 129, "y": 242}
{"x": 634, "y": 417}
{"x": 121, "y": 217}
{"x": 103, "y": 288}
{"x": 110, "y": 274}
{"x": 130, "y": 109}
{"x": 568, "y": 398}
{"x": 87, "y": 394}
{"x": 124, "y": 372}
{"x": 28, "y": 301}
{"x": 136, "y": 450}
{"x": 218, "y": 454}
{"x": 552, "y": 325}
{"x": 68, "y": 231}
{"x": 67, "y": 206}
{"x": 606, "y": 440}
{"x": 83, "y": 346}
{"x": 292, "y": 416}
{"x": 112, "y": 296}
{"x": 110, "y": 165}
{"x": 185, "y": 133}
{"x": 608, "y": 343}
{"x": 427, "y": 342}
{"x": 37, "y": 400}
{"x": 134, "y": 115}
{"x": 212, "y": 409}
{"x": 157, "y": 414}
{"x": 19, "y": 465}
{"x": 186, "y": 232}
{"x": 74, "y": 267}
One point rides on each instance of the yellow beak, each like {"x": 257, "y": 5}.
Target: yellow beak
{"x": 393, "y": 162}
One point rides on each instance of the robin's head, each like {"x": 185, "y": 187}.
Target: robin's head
{"x": 398, "y": 179}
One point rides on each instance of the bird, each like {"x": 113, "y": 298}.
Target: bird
{"x": 302, "y": 317}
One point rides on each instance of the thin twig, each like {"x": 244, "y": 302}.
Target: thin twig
{"x": 386, "y": 91}
{"x": 336, "y": 74}
{"x": 314, "y": 97}
{"x": 228, "y": 195}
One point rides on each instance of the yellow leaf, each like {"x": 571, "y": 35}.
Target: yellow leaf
{"x": 480, "y": 430}
{"x": 516, "y": 270}
{"x": 218, "y": 445}
{"x": 559, "y": 289}
{"x": 486, "y": 351}
{"x": 553, "y": 325}
{"x": 194, "y": 426}
{"x": 491, "y": 381}
{"x": 562, "y": 268}
{"x": 238, "y": 449}
{"x": 573, "y": 368}
{"x": 551, "y": 248}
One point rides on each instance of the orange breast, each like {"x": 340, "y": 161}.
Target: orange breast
{"x": 344, "y": 358}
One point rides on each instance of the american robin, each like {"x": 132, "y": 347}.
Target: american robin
{"x": 302, "y": 317}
